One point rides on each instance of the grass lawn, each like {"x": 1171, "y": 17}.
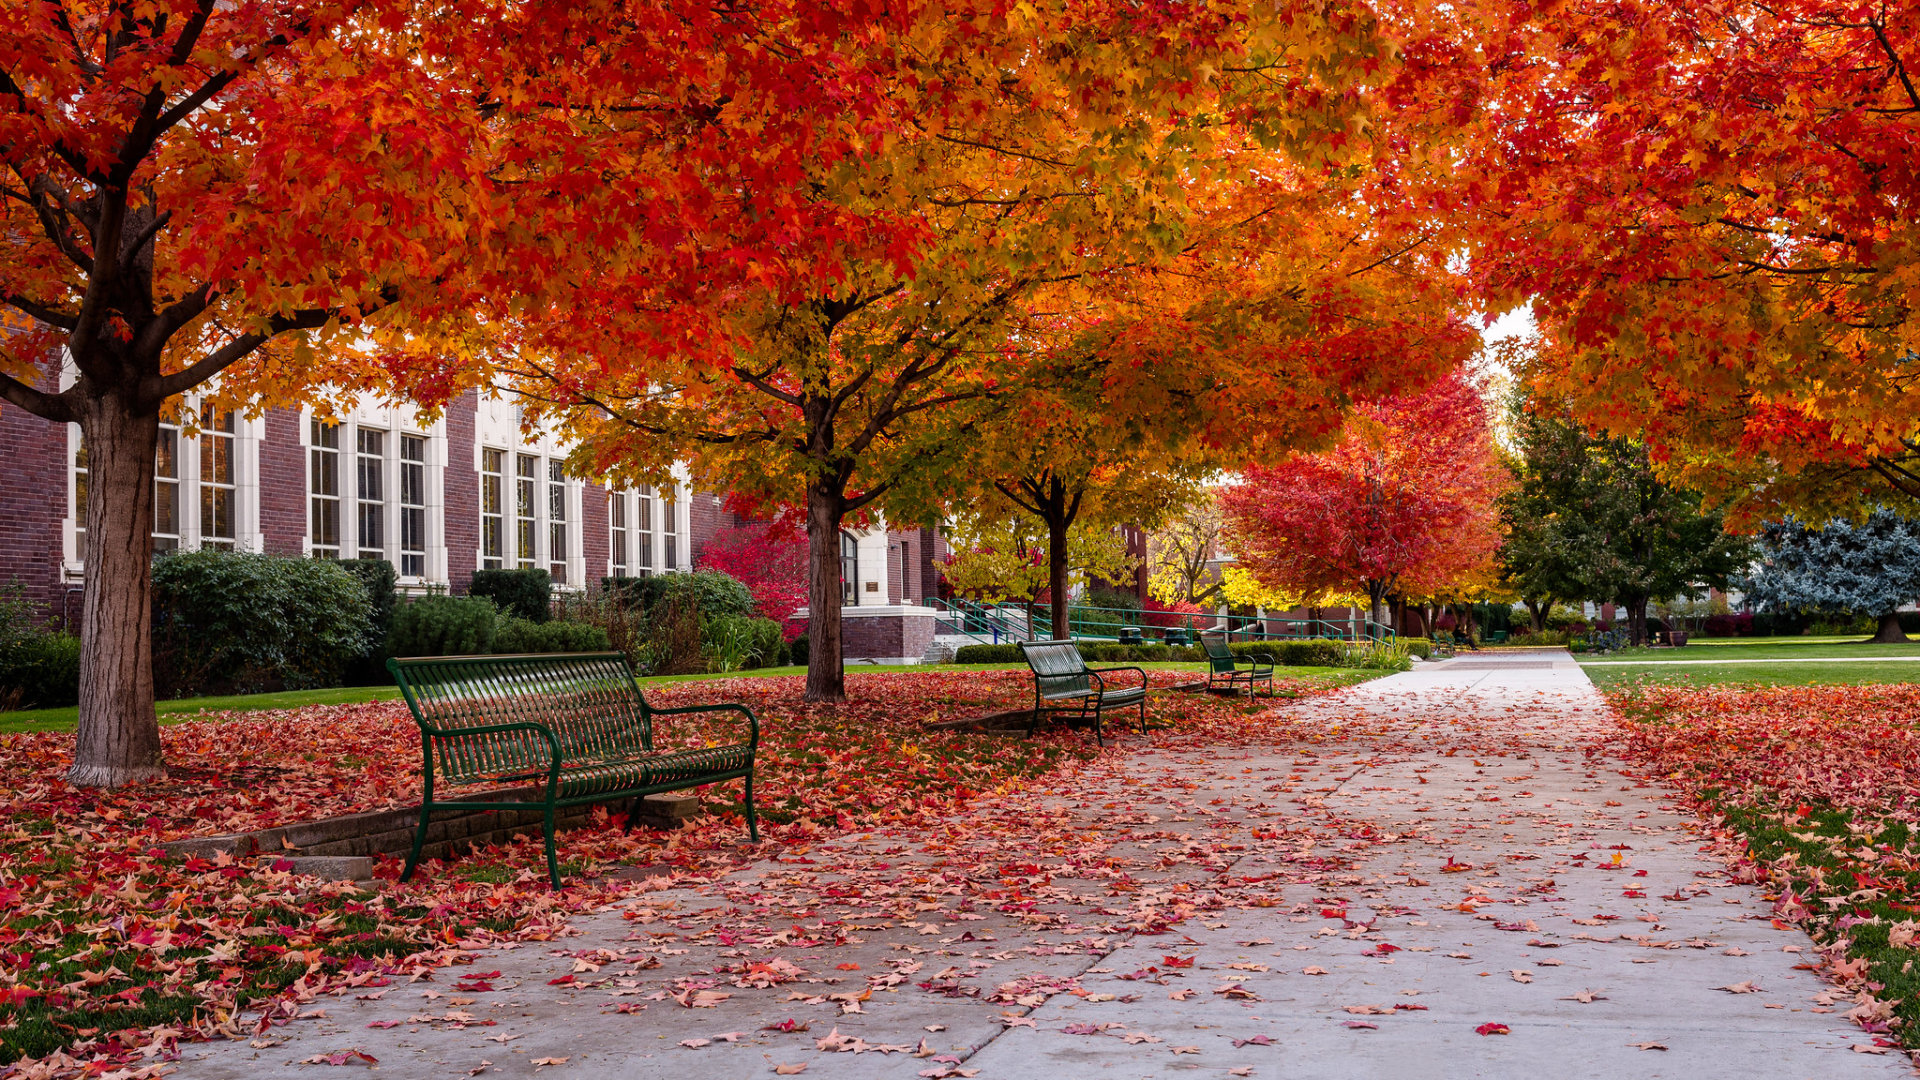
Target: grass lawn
{"x": 173, "y": 712}
{"x": 1625, "y": 676}
{"x": 1774, "y": 649}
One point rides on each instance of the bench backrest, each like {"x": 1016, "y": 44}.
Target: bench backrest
{"x": 1219, "y": 657}
{"x": 1057, "y": 667}
{"x": 588, "y": 700}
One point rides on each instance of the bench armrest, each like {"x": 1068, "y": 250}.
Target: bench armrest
{"x": 753, "y": 722}
{"x": 430, "y": 732}
{"x": 1269, "y": 658}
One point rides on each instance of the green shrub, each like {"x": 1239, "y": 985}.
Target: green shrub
{"x": 1418, "y": 646}
{"x": 378, "y": 578}
{"x": 1315, "y": 652}
{"x": 234, "y": 620}
{"x": 514, "y": 636}
{"x": 523, "y": 594}
{"x": 711, "y": 591}
{"x": 445, "y": 626}
{"x": 39, "y": 671}
{"x": 761, "y": 640}
{"x": 797, "y": 651}
{"x": 674, "y": 642}
{"x": 1380, "y": 656}
{"x": 988, "y": 654}
{"x": 1190, "y": 654}
{"x": 624, "y": 627}
{"x": 1544, "y": 637}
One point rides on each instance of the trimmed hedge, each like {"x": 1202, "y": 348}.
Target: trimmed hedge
{"x": 525, "y": 636}
{"x": 445, "y": 626}
{"x": 987, "y": 654}
{"x": 43, "y": 667}
{"x": 1418, "y": 646}
{"x": 711, "y": 592}
{"x": 238, "y": 621}
{"x": 523, "y": 594}
{"x": 1096, "y": 652}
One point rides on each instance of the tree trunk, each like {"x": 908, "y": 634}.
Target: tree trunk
{"x": 1057, "y": 576}
{"x": 1537, "y": 611}
{"x": 1637, "y": 620}
{"x": 1890, "y": 632}
{"x": 826, "y": 676}
{"x": 119, "y": 737}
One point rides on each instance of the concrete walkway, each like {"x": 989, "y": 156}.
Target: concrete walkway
{"x": 1440, "y": 874}
{"x": 1775, "y": 660}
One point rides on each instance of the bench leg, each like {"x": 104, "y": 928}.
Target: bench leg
{"x": 419, "y": 842}
{"x": 1099, "y": 737}
{"x": 753, "y": 822}
{"x": 553, "y": 860}
{"x": 1143, "y": 715}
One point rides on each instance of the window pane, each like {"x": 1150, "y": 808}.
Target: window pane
{"x": 370, "y": 492}
{"x": 323, "y": 489}
{"x": 493, "y": 529}
{"x": 527, "y": 472}
{"x": 80, "y": 502}
{"x": 557, "y": 522}
{"x": 216, "y": 479}
{"x": 413, "y": 506}
{"x": 166, "y": 491}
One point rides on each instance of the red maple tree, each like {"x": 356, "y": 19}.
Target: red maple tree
{"x": 1403, "y": 503}
{"x": 770, "y": 559}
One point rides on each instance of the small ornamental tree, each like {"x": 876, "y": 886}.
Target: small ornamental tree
{"x": 770, "y": 559}
{"x": 1870, "y": 567}
{"x": 1403, "y": 504}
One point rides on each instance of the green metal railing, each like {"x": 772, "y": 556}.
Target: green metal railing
{"x": 993, "y": 624}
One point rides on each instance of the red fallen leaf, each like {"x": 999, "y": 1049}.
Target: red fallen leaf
{"x": 1632, "y": 893}
{"x": 384, "y": 1024}
{"x": 847, "y": 967}
{"x": 789, "y": 1025}
{"x": 1257, "y": 1040}
{"x": 1491, "y": 1029}
{"x": 1452, "y": 867}
{"x": 1177, "y": 961}
{"x": 473, "y": 987}
{"x": 1363, "y": 1024}
{"x": 341, "y": 1057}
{"x": 1333, "y": 913}
{"x": 1409, "y": 1007}
{"x": 564, "y": 980}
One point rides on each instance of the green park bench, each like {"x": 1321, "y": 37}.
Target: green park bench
{"x": 1225, "y": 670}
{"x": 573, "y": 724}
{"x": 1064, "y": 684}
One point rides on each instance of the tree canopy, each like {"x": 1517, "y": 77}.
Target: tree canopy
{"x": 1868, "y": 567}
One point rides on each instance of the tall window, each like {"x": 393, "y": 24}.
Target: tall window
{"x": 493, "y": 509}
{"x": 166, "y": 490}
{"x": 617, "y": 530}
{"x": 646, "y": 531}
{"x": 413, "y": 506}
{"x": 849, "y": 568}
{"x": 670, "y": 534}
{"x": 216, "y": 479}
{"x": 370, "y": 492}
{"x": 526, "y": 475}
{"x": 80, "y": 502}
{"x": 557, "y": 521}
{"x": 323, "y": 487}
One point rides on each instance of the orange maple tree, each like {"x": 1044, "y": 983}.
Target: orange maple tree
{"x": 1403, "y": 505}
{"x": 1712, "y": 209}
{"x": 284, "y": 196}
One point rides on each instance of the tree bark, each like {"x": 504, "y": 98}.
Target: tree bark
{"x": 1637, "y": 620}
{"x": 1057, "y": 575}
{"x": 826, "y": 675}
{"x": 1890, "y": 632}
{"x": 118, "y": 741}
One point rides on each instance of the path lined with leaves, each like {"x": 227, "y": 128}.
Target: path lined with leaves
{"x": 1445, "y": 873}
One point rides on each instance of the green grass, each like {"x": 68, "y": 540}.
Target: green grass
{"x": 1775, "y": 649}
{"x": 1624, "y": 676}
{"x": 174, "y": 712}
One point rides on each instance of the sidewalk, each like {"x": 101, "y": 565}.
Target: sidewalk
{"x": 1358, "y": 893}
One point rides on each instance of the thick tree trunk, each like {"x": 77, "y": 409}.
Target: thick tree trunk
{"x": 1057, "y": 576}
{"x": 1537, "y": 611}
{"x": 1637, "y": 621}
{"x": 1890, "y": 632}
{"x": 826, "y": 675}
{"x": 119, "y": 737}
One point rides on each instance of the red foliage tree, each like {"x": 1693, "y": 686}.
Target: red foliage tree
{"x": 771, "y": 561}
{"x": 1404, "y": 502}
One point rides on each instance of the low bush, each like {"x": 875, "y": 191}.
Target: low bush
{"x": 524, "y": 594}
{"x": 985, "y": 654}
{"x": 445, "y": 626}
{"x": 1317, "y": 652}
{"x": 1418, "y": 646}
{"x": 742, "y": 642}
{"x": 1544, "y": 637}
{"x": 378, "y": 578}
{"x": 525, "y": 636}
{"x": 1380, "y": 656}
{"x": 675, "y": 644}
{"x": 711, "y": 592}
{"x": 797, "y": 651}
{"x": 228, "y": 621}
{"x": 39, "y": 671}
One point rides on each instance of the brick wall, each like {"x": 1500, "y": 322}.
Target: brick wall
{"x": 932, "y": 548}
{"x": 896, "y": 567}
{"x": 706, "y": 518}
{"x": 33, "y": 502}
{"x": 595, "y": 538}
{"x": 462, "y": 492}
{"x": 283, "y": 483}
{"x": 885, "y": 636}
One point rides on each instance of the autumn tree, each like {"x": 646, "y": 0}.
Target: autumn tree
{"x": 1711, "y": 207}
{"x": 1403, "y": 503}
{"x": 1182, "y": 552}
{"x": 998, "y": 554}
{"x": 247, "y": 200}
{"x": 769, "y": 558}
{"x": 1035, "y": 169}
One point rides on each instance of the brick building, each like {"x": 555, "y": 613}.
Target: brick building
{"x": 437, "y": 499}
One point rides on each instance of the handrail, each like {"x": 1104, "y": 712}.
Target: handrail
{"x": 1007, "y": 622}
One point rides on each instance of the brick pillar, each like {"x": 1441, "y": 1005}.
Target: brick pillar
{"x": 596, "y": 542}
{"x": 706, "y": 519}
{"x": 33, "y": 502}
{"x": 462, "y": 516}
{"x": 283, "y": 483}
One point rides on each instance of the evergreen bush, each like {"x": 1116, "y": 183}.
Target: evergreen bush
{"x": 445, "y": 626}
{"x": 515, "y": 636}
{"x": 523, "y": 594}
{"x": 239, "y": 621}
{"x": 712, "y": 592}
{"x": 39, "y": 670}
